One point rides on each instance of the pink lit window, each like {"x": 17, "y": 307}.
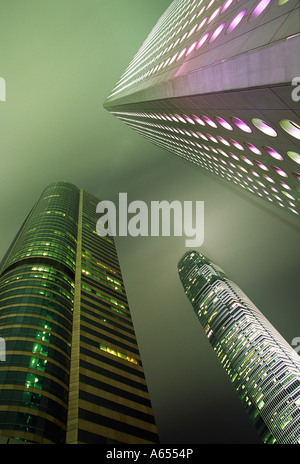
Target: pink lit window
{"x": 247, "y": 160}
{"x": 273, "y": 153}
{"x": 261, "y": 165}
{"x": 198, "y": 120}
{"x": 252, "y": 148}
{"x": 260, "y": 7}
{"x": 217, "y": 32}
{"x": 284, "y": 185}
{"x": 223, "y": 123}
{"x": 180, "y": 118}
{"x": 224, "y": 141}
{"x": 241, "y": 124}
{"x": 279, "y": 171}
{"x": 201, "y": 24}
{"x": 213, "y": 139}
{"x": 236, "y": 21}
{"x": 191, "y": 48}
{"x": 226, "y": 5}
{"x": 255, "y": 173}
{"x": 215, "y": 13}
{"x": 269, "y": 179}
{"x": 222, "y": 152}
{"x": 202, "y": 40}
{"x": 234, "y": 156}
{"x": 188, "y": 119}
{"x": 209, "y": 121}
{"x": 236, "y": 144}
{"x": 181, "y": 54}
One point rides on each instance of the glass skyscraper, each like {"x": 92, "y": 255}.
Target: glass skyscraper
{"x": 72, "y": 371}
{"x": 262, "y": 366}
{"x": 214, "y": 83}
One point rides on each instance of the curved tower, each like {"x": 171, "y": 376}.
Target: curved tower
{"x": 36, "y": 306}
{"x": 72, "y": 372}
{"x": 262, "y": 366}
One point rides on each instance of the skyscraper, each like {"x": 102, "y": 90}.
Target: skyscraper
{"x": 72, "y": 371}
{"x": 215, "y": 84}
{"x": 262, "y": 366}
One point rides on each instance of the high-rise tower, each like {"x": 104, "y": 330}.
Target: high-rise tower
{"x": 262, "y": 366}
{"x": 72, "y": 371}
{"x": 215, "y": 83}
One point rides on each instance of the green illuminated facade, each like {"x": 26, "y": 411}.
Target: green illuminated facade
{"x": 262, "y": 366}
{"x": 72, "y": 371}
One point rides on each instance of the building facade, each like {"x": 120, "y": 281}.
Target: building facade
{"x": 262, "y": 366}
{"x": 72, "y": 371}
{"x": 215, "y": 84}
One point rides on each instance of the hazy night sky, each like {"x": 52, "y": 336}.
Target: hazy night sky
{"x": 60, "y": 59}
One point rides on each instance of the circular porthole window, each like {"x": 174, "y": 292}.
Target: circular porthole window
{"x": 291, "y": 128}
{"x": 273, "y": 153}
{"x": 294, "y": 156}
{"x": 260, "y": 7}
{"x": 264, "y": 127}
{"x": 236, "y": 21}
{"x": 241, "y": 124}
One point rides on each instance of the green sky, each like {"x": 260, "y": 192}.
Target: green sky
{"x": 60, "y": 59}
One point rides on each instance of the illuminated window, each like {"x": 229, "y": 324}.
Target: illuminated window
{"x": 224, "y": 141}
{"x": 202, "y": 40}
{"x": 279, "y": 171}
{"x": 261, "y": 165}
{"x": 198, "y": 120}
{"x": 294, "y": 156}
{"x": 291, "y": 128}
{"x": 246, "y": 160}
{"x": 236, "y": 144}
{"x": 273, "y": 153}
{"x": 181, "y": 54}
{"x": 118, "y": 354}
{"x": 217, "y": 32}
{"x": 260, "y": 7}
{"x": 264, "y": 127}
{"x": 236, "y": 21}
{"x": 226, "y": 5}
{"x": 252, "y": 148}
{"x": 215, "y": 13}
{"x": 223, "y": 123}
{"x": 209, "y": 121}
{"x": 191, "y": 48}
{"x": 241, "y": 124}
{"x": 201, "y": 24}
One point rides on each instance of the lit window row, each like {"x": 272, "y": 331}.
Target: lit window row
{"x": 144, "y": 60}
{"x": 118, "y": 354}
{"x": 226, "y": 165}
